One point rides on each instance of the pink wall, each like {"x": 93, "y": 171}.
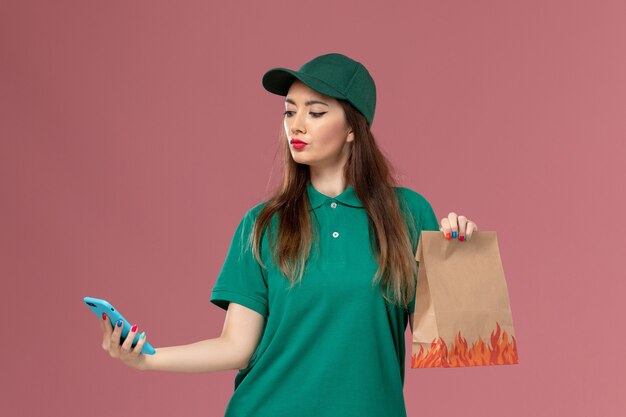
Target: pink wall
{"x": 134, "y": 135}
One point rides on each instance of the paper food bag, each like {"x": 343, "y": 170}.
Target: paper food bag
{"x": 462, "y": 313}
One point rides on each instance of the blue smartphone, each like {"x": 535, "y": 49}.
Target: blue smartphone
{"x": 99, "y": 306}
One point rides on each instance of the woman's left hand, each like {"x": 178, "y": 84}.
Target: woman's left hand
{"x": 457, "y": 226}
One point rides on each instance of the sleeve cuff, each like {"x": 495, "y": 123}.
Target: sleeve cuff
{"x": 221, "y": 298}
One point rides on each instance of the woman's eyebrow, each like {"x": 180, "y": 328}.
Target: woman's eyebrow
{"x": 306, "y": 103}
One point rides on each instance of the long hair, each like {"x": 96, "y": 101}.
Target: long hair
{"x": 369, "y": 172}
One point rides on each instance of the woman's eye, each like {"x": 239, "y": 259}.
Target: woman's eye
{"x": 316, "y": 115}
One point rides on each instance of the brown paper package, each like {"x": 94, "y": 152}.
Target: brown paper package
{"x": 462, "y": 312}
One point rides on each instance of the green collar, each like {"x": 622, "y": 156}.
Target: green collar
{"x": 347, "y": 197}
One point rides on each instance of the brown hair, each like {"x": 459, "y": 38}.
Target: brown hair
{"x": 369, "y": 172}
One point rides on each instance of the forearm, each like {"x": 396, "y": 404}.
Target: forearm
{"x": 209, "y": 355}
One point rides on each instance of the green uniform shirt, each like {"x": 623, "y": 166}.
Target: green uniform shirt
{"x": 332, "y": 346}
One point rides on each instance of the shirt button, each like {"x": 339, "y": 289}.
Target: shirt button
{"x": 333, "y": 204}
{"x": 335, "y": 234}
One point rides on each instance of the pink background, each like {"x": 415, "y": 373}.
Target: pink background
{"x": 134, "y": 135}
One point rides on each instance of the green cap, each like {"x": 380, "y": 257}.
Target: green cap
{"x": 334, "y": 75}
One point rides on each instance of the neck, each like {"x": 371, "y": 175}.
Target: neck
{"x": 328, "y": 182}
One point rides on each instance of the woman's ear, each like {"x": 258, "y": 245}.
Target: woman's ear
{"x": 350, "y": 136}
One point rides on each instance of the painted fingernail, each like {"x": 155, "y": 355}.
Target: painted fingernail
{"x": 467, "y": 238}
{"x": 119, "y": 323}
{"x": 448, "y": 235}
{"x": 143, "y": 335}
{"x": 134, "y": 328}
{"x": 461, "y": 238}
{"x": 453, "y": 235}
{"x": 104, "y": 316}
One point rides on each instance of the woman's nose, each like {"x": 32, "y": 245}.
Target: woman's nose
{"x": 297, "y": 123}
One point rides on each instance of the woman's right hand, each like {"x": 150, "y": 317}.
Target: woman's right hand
{"x": 126, "y": 353}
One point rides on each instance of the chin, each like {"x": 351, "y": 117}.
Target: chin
{"x": 299, "y": 159}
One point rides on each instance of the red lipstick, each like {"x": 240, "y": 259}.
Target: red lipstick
{"x": 297, "y": 143}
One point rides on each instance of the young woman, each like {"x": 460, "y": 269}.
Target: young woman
{"x": 319, "y": 280}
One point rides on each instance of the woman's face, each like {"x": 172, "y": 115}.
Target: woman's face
{"x": 319, "y": 121}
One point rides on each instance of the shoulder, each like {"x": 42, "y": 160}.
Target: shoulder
{"x": 251, "y": 215}
{"x": 418, "y": 207}
{"x": 253, "y": 212}
{"x": 412, "y": 200}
